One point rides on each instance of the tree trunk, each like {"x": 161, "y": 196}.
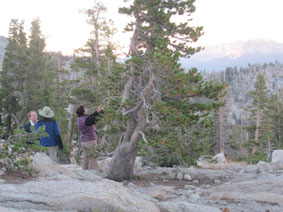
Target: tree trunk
{"x": 221, "y": 129}
{"x": 70, "y": 128}
{"x": 279, "y": 120}
{"x": 97, "y": 52}
{"x": 59, "y": 68}
{"x": 16, "y": 120}
{"x": 269, "y": 148}
{"x": 9, "y": 126}
{"x": 122, "y": 163}
{"x": 258, "y": 117}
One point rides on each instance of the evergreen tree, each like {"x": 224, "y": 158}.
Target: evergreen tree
{"x": 158, "y": 92}
{"x": 271, "y": 125}
{"x": 13, "y": 76}
{"x": 88, "y": 59}
{"x": 38, "y": 87}
{"x": 62, "y": 100}
{"x": 268, "y": 126}
{"x": 279, "y": 124}
{"x": 101, "y": 81}
{"x": 27, "y": 78}
{"x": 109, "y": 91}
{"x": 259, "y": 97}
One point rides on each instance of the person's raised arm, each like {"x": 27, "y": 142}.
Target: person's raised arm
{"x": 93, "y": 118}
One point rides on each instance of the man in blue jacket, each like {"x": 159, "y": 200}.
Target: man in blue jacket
{"x": 51, "y": 128}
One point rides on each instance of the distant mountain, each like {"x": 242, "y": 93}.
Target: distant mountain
{"x": 3, "y": 44}
{"x": 239, "y": 53}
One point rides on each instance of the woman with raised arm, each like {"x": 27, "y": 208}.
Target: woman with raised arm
{"x": 88, "y": 135}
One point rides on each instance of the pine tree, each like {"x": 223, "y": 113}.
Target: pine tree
{"x": 158, "y": 92}
{"x": 96, "y": 19}
{"x": 259, "y": 97}
{"x": 13, "y": 76}
{"x": 38, "y": 88}
{"x": 279, "y": 121}
{"x": 88, "y": 59}
{"x": 271, "y": 125}
{"x": 63, "y": 103}
{"x": 101, "y": 81}
{"x": 222, "y": 127}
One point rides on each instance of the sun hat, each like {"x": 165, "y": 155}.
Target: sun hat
{"x": 46, "y": 112}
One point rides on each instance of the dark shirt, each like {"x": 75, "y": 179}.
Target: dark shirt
{"x": 28, "y": 130}
{"x": 27, "y": 127}
{"x": 93, "y": 118}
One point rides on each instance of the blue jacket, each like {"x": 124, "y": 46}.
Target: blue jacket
{"x": 52, "y": 129}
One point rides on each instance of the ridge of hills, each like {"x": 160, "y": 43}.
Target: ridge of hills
{"x": 236, "y": 54}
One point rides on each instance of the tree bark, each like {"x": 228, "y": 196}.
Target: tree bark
{"x": 70, "y": 128}
{"x": 124, "y": 160}
{"x": 221, "y": 129}
{"x": 269, "y": 148}
{"x": 258, "y": 117}
{"x": 16, "y": 120}
{"x": 121, "y": 166}
{"x": 122, "y": 163}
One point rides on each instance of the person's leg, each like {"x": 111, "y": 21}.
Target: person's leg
{"x": 52, "y": 153}
{"x": 89, "y": 155}
{"x": 93, "y": 164}
{"x": 85, "y": 159}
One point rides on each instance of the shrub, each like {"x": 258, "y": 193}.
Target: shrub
{"x": 16, "y": 152}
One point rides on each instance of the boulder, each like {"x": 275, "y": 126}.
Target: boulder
{"x": 263, "y": 167}
{"x": 277, "y": 165}
{"x": 220, "y": 158}
{"x": 277, "y": 155}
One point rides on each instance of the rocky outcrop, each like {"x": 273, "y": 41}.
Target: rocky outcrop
{"x": 68, "y": 188}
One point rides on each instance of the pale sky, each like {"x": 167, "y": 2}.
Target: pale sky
{"x": 66, "y": 29}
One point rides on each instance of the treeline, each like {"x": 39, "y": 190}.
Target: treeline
{"x": 152, "y": 106}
